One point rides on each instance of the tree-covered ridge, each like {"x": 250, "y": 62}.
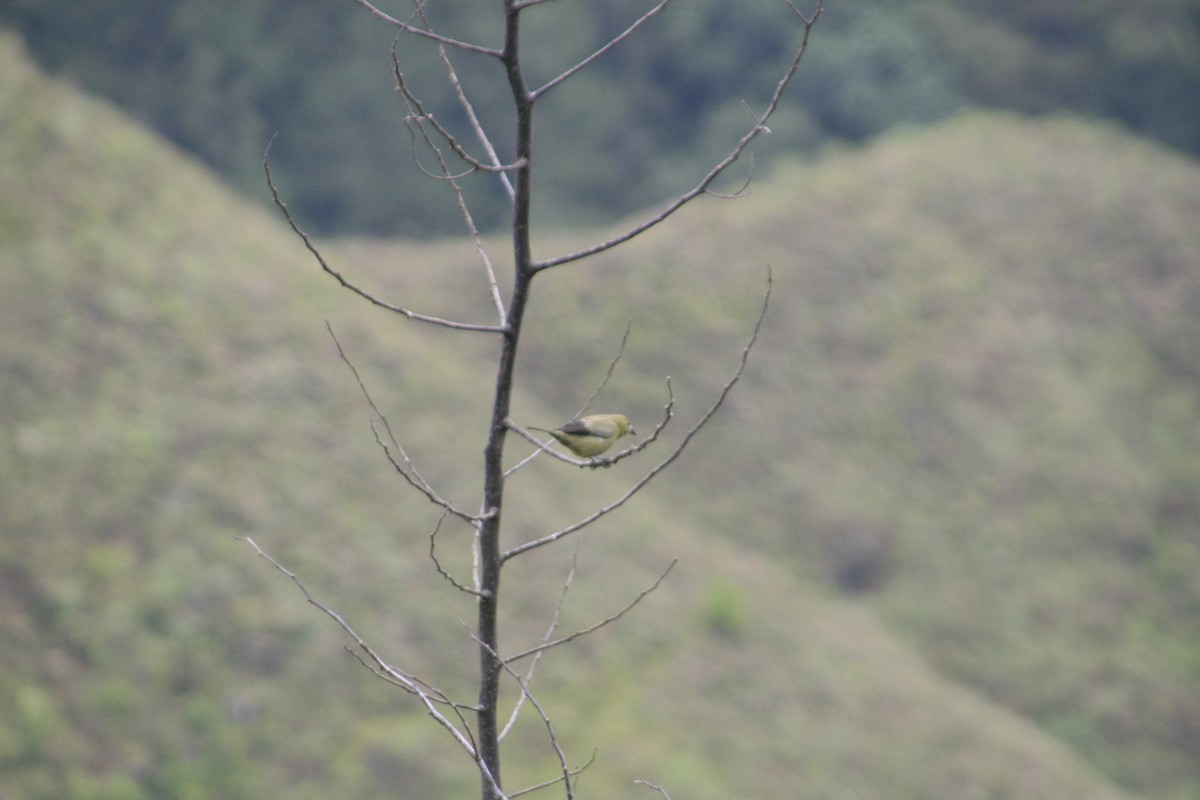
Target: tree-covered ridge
{"x": 221, "y": 77}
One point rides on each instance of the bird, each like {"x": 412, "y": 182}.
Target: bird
{"x": 590, "y": 436}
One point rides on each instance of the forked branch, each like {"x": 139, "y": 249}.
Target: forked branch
{"x": 408, "y": 27}
{"x": 408, "y": 682}
{"x": 418, "y": 113}
{"x": 613, "y": 42}
{"x": 325, "y": 265}
{"x": 666, "y": 462}
{"x": 548, "y": 636}
{"x": 546, "y": 645}
{"x": 408, "y": 470}
{"x": 567, "y": 772}
{"x": 759, "y": 127}
{"x": 594, "y": 461}
{"x": 415, "y": 125}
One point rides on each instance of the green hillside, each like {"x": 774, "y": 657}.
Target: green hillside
{"x": 944, "y": 542}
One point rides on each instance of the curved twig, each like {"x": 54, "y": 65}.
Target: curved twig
{"x": 408, "y": 27}
{"x": 533, "y": 701}
{"x": 469, "y": 109}
{"x": 655, "y": 787}
{"x": 613, "y": 42}
{"x": 312, "y": 248}
{"x": 701, "y": 187}
{"x": 414, "y": 686}
{"x": 666, "y": 462}
{"x": 409, "y": 470}
{"x": 594, "y": 461}
{"x": 612, "y": 365}
{"x": 573, "y": 772}
{"x": 438, "y": 564}
{"x": 545, "y": 645}
{"x": 562, "y": 598}
{"x": 418, "y": 112}
{"x": 459, "y": 199}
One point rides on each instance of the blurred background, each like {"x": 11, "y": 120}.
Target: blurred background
{"x": 942, "y": 542}
{"x": 221, "y": 78}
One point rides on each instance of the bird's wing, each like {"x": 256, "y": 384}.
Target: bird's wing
{"x": 579, "y": 427}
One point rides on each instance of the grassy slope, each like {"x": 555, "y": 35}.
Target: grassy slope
{"x": 978, "y": 399}
{"x": 168, "y": 384}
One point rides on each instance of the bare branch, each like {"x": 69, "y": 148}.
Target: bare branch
{"x": 550, "y": 732}
{"x": 701, "y": 187}
{"x": 658, "y": 789}
{"x": 609, "y": 373}
{"x": 415, "y": 687}
{"x": 409, "y": 471}
{"x": 616, "y": 40}
{"x": 742, "y": 190}
{"x": 545, "y": 445}
{"x": 809, "y": 19}
{"x": 645, "y": 479}
{"x": 541, "y": 446}
{"x": 312, "y": 248}
{"x": 468, "y": 219}
{"x": 594, "y": 461}
{"x": 576, "y": 770}
{"x": 469, "y": 108}
{"x": 438, "y": 564}
{"x": 545, "y": 645}
{"x": 408, "y": 27}
{"x": 562, "y": 598}
{"x": 435, "y": 694}
{"x": 418, "y": 113}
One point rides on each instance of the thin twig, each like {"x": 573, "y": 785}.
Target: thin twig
{"x": 544, "y": 446}
{"x": 613, "y": 42}
{"x": 656, "y": 788}
{"x": 562, "y": 598}
{"x": 418, "y": 112}
{"x": 609, "y": 373}
{"x": 594, "y": 461}
{"x": 701, "y": 187}
{"x": 438, "y": 564}
{"x": 409, "y": 470}
{"x": 588, "y": 520}
{"x": 559, "y": 779}
{"x": 408, "y": 27}
{"x": 469, "y": 109}
{"x": 435, "y": 694}
{"x": 533, "y": 701}
{"x": 460, "y": 199}
{"x": 415, "y": 687}
{"x": 544, "y": 646}
{"x": 325, "y": 265}
{"x": 742, "y": 190}
{"x": 809, "y": 19}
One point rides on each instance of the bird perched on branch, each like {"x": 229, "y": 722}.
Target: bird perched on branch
{"x": 591, "y": 435}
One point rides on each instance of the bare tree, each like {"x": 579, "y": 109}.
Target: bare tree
{"x": 448, "y": 158}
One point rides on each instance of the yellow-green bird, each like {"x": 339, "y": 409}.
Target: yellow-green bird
{"x": 591, "y": 435}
